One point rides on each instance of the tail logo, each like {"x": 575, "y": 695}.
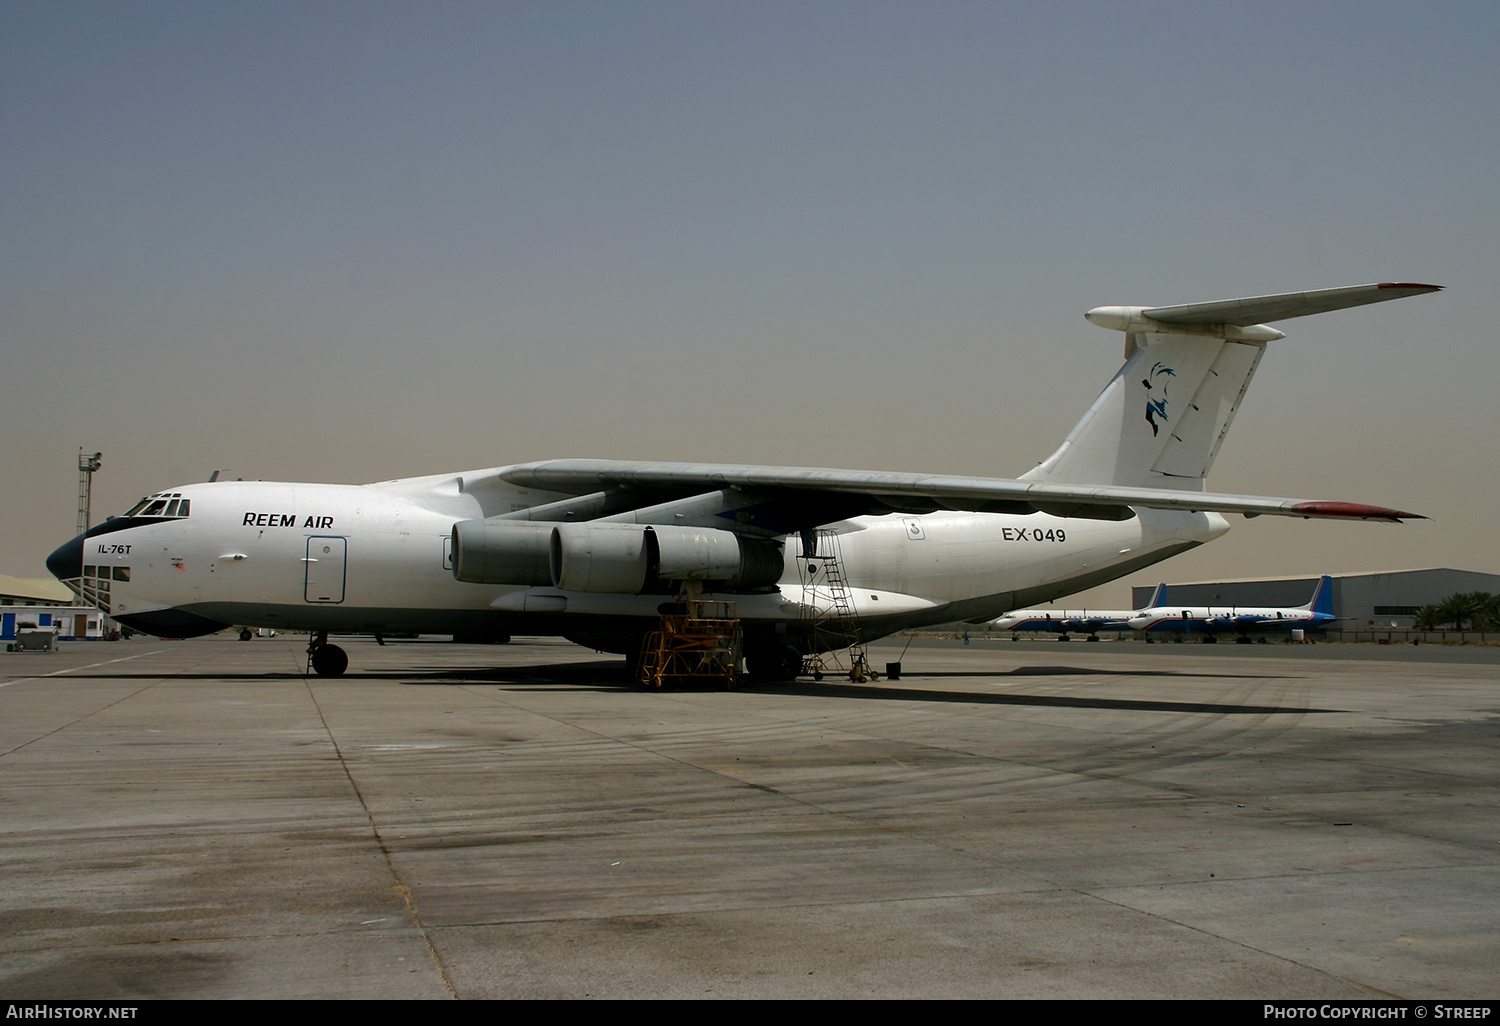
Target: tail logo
{"x": 1156, "y": 405}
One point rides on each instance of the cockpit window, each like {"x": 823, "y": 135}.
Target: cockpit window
{"x": 162, "y": 504}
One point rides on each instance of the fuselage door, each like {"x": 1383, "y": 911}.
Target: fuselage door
{"x": 324, "y": 567}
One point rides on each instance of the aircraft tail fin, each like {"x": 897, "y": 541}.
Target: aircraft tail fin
{"x": 1322, "y": 597}
{"x": 1161, "y": 420}
{"x": 1158, "y": 597}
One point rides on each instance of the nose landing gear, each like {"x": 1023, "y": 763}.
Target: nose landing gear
{"x": 324, "y": 659}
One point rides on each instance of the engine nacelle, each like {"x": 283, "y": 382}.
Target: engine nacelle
{"x": 628, "y": 558}
{"x": 501, "y": 552}
{"x": 599, "y": 557}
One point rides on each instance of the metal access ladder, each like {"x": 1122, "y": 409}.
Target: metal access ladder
{"x": 838, "y": 648}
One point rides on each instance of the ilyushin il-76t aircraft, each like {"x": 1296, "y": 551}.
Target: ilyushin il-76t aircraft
{"x": 594, "y": 550}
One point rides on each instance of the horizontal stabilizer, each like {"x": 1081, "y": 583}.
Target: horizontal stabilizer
{"x": 1260, "y": 309}
{"x": 1162, "y": 420}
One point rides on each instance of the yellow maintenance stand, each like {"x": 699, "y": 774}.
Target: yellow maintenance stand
{"x": 701, "y": 644}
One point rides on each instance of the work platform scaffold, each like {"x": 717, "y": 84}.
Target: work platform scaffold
{"x": 701, "y": 644}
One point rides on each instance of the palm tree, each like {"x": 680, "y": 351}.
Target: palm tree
{"x": 1462, "y": 608}
{"x": 1426, "y": 619}
{"x": 1488, "y": 617}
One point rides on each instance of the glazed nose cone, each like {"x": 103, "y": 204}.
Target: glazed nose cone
{"x": 66, "y": 563}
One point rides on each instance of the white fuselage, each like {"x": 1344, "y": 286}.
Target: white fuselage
{"x": 1223, "y": 618}
{"x": 1063, "y": 621}
{"x": 377, "y": 558}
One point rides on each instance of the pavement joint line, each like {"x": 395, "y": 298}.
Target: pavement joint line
{"x": 1307, "y": 966}
{"x": 75, "y": 669}
{"x": 92, "y": 712}
{"x": 401, "y": 886}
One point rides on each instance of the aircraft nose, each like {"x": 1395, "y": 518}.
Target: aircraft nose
{"x": 66, "y": 563}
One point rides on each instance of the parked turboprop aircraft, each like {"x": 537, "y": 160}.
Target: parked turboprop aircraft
{"x": 1066, "y": 622}
{"x": 593, "y": 549}
{"x": 1218, "y": 619}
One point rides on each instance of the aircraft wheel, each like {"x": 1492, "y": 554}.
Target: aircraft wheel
{"x": 773, "y": 663}
{"x": 329, "y": 661}
{"x": 246, "y": 635}
{"x": 1092, "y": 637}
{"x": 791, "y": 663}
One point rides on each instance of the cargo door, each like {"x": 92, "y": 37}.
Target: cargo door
{"x": 323, "y": 576}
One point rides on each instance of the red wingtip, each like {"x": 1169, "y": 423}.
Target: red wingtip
{"x": 1354, "y": 511}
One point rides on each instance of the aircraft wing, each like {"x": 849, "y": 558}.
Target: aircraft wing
{"x": 872, "y": 492}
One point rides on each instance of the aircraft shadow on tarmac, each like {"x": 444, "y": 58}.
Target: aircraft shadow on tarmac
{"x": 612, "y": 677}
{"x": 1043, "y": 701}
{"x": 1081, "y": 671}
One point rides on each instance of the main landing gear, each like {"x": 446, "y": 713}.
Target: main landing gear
{"x": 773, "y": 662}
{"x": 326, "y": 660}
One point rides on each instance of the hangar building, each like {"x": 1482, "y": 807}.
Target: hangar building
{"x": 29, "y": 601}
{"x": 30, "y": 591}
{"x": 1386, "y": 598}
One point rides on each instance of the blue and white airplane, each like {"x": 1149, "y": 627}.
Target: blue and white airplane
{"x": 596, "y": 550}
{"x": 1214, "y": 620}
{"x": 1067, "y": 622}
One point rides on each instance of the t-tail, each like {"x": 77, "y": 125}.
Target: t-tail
{"x": 1163, "y": 417}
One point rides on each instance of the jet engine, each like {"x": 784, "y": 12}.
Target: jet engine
{"x": 631, "y": 558}
{"x": 501, "y": 552}
{"x": 611, "y": 558}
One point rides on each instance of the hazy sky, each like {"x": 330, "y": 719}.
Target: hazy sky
{"x": 352, "y": 242}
